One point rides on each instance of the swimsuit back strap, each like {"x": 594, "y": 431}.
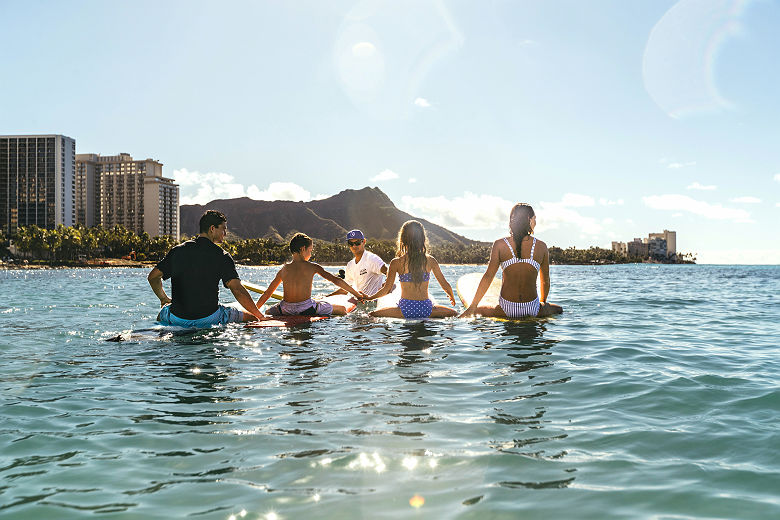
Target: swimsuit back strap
{"x": 510, "y": 247}
{"x": 533, "y": 245}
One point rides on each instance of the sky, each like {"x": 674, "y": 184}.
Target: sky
{"x": 614, "y": 119}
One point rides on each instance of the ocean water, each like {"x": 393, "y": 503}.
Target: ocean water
{"x": 654, "y": 396}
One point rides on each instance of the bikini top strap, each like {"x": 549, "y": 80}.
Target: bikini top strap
{"x": 533, "y": 245}
{"x": 510, "y": 247}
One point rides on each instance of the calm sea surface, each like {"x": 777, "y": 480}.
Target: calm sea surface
{"x": 654, "y": 396}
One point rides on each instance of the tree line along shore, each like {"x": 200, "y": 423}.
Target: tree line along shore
{"x": 118, "y": 246}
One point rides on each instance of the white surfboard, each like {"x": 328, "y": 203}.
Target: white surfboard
{"x": 467, "y": 288}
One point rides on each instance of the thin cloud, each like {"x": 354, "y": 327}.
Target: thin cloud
{"x": 777, "y": 177}
{"x": 554, "y": 215}
{"x": 473, "y": 211}
{"x": 607, "y": 202}
{"x": 678, "y": 165}
{"x": 422, "y": 102}
{"x": 697, "y": 207}
{"x": 385, "y": 175}
{"x": 202, "y": 188}
{"x": 697, "y": 186}
{"x": 469, "y": 211}
{"x": 746, "y": 200}
{"x": 279, "y": 191}
{"x": 363, "y": 49}
{"x": 412, "y": 180}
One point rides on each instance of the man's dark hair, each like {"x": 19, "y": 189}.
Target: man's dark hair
{"x": 300, "y": 240}
{"x": 211, "y": 218}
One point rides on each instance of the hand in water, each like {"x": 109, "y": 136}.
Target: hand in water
{"x": 468, "y": 312}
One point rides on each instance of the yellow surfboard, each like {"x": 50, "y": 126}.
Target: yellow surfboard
{"x": 249, "y": 286}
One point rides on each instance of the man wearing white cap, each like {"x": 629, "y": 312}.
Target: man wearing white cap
{"x": 366, "y": 271}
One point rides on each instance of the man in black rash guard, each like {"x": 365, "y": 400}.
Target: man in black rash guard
{"x": 195, "y": 268}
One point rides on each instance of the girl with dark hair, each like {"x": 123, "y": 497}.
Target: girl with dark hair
{"x": 522, "y": 258}
{"x": 413, "y": 265}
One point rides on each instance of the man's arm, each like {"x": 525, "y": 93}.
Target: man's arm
{"x": 242, "y": 297}
{"x": 155, "y": 280}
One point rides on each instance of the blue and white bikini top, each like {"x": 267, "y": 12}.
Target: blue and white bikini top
{"x": 407, "y": 277}
{"x": 515, "y": 260}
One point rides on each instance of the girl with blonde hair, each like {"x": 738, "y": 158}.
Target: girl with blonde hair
{"x": 413, "y": 265}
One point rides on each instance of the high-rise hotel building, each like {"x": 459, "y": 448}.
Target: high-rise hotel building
{"x": 37, "y": 181}
{"x": 116, "y": 189}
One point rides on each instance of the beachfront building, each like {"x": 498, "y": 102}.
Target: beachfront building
{"x": 656, "y": 247}
{"x": 118, "y": 190}
{"x": 670, "y": 238}
{"x": 36, "y": 181}
{"x": 637, "y": 247}
{"x": 620, "y": 248}
{"x": 87, "y": 193}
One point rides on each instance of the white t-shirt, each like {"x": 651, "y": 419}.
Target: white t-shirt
{"x": 366, "y": 276}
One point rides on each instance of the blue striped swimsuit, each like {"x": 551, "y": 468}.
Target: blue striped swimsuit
{"x": 415, "y": 308}
{"x": 520, "y": 309}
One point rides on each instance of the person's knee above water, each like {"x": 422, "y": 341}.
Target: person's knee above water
{"x": 413, "y": 266}
{"x": 297, "y": 276}
{"x": 522, "y": 258}
{"x": 366, "y": 270}
{"x": 195, "y": 268}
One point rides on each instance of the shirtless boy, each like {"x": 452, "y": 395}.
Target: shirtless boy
{"x": 297, "y": 277}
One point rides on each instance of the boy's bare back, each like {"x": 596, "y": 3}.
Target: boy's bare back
{"x": 297, "y": 279}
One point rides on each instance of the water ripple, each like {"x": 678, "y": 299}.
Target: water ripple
{"x": 654, "y": 395}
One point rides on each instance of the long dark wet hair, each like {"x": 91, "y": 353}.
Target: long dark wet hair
{"x": 413, "y": 243}
{"x": 520, "y": 223}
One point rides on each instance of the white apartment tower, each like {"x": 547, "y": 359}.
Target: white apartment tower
{"x": 671, "y": 240}
{"x": 118, "y": 190}
{"x": 37, "y": 181}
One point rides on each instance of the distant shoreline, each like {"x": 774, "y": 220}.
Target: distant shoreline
{"x": 114, "y": 262}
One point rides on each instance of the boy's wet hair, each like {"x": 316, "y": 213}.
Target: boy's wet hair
{"x": 212, "y": 217}
{"x": 299, "y": 241}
